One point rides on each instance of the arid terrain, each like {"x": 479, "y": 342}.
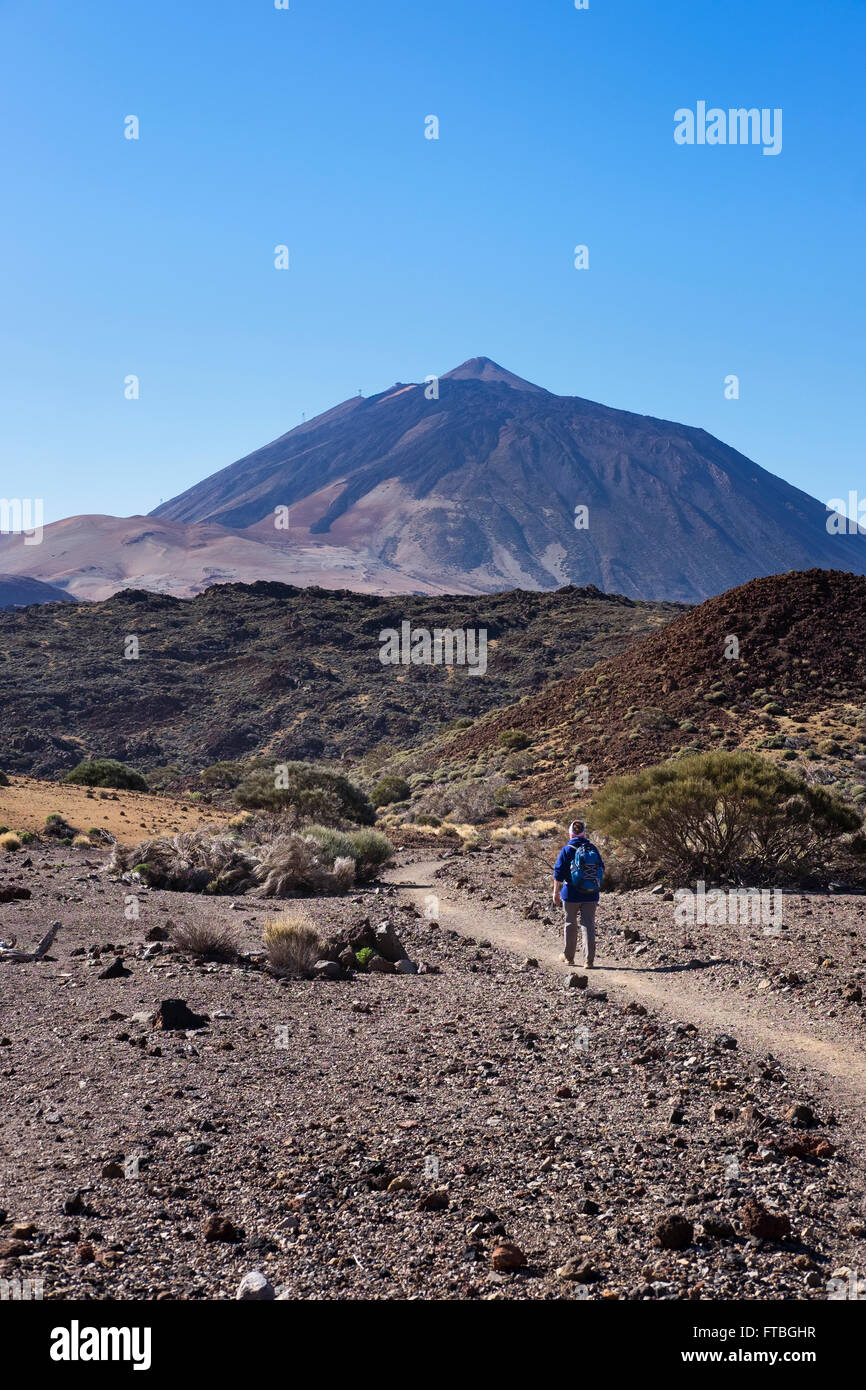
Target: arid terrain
{"x": 268, "y": 669}
{"x": 431, "y": 1104}
{"x": 383, "y": 1136}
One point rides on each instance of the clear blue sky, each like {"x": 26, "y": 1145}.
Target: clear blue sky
{"x": 306, "y": 127}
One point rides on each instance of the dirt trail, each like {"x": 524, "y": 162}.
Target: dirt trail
{"x": 838, "y": 1071}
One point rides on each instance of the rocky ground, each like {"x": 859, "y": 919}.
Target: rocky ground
{"x": 484, "y": 1129}
{"x": 805, "y": 961}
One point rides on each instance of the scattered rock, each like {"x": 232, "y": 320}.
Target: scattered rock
{"x": 405, "y": 967}
{"x": 674, "y": 1232}
{"x": 255, "y": 1288}
{"x": 507, "y": 1256}
{"x": 765, "y": 1224}
{"x": 174, "y": 1015}
{"x": 220, "y": 1228}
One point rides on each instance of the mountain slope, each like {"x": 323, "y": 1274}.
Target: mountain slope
{"x": 476, "y": 490}
{"x": 797, "y": 689}
{"x": 95, "y": 556}
{"x": 265, "y": 668}
{"x": 17, "y": 592}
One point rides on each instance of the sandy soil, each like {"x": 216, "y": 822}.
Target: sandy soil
{"x": 128, "y": 816}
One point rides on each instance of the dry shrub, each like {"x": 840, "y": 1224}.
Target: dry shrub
{"x": 194, "y": 861}
{"x": 81, "y": 842}
{"x": 9, "y": 842}
{"x": 296, "y": 863}
{"x": 293, "y": 946}
{"x": 218, "y": 939}
{"x": 533, "y": 830}
{"x": 468, "y": 833}
{"x": 469, "y": 802}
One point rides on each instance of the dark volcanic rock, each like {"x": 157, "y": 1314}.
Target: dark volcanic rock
{"x": 765, "y": 1224}
{"x": 174, "y": 1014}
{"x": 674, "y": 1232}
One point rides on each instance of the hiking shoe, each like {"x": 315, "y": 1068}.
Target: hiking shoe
{"x": 566, "y": 960}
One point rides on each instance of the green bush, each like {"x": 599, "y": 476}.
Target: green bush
{"x": 513, "y": 740}
{"x": 106, "y": 772}
{"x": 370, "y": 850}
{"x": 389, "y": 789}
{"x": 310, "y": 793}
{"x": 725, "y": 815}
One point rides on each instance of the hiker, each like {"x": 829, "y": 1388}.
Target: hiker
{"x": 577, "y": 878}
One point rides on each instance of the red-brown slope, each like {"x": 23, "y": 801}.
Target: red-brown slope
{"x": 802, "y": 649}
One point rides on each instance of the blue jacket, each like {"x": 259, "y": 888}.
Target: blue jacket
{"x": 562, "y": 871}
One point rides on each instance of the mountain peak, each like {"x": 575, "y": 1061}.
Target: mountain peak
{"x": 485, "y": 369}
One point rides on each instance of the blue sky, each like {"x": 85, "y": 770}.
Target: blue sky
{"x": 260, "y": 127}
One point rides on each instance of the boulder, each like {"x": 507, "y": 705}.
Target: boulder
{"x": 388, "y": 943}
{"x": 174, "y": 1014}
{"x": 326, "y": 970}
{"x": 255, "y": 1288}
{"x": 674, "y": 1232}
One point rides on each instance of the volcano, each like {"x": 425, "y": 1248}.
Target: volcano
{"x": 478, "y": 481}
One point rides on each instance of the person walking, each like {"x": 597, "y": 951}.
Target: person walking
{"x": 577, "y": 878}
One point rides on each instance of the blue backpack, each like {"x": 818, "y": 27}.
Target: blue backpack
{"x": 587, "y": 870}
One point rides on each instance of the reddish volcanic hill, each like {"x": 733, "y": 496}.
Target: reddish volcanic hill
{"x": 799, "y": 684}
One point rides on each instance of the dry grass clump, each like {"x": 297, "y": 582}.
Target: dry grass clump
{"x": 219, "y": 939}
{"x": 534, "y": 830}
{"x": 293, "y": 863}
{"x": 293, "y": 946}
{"x": 9, "y": 842}
{"x": 468, "y": 833}
{"x": 81, "y": 842}
{"x": 277, "y": 864}
{"x": 193, "y": 861}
